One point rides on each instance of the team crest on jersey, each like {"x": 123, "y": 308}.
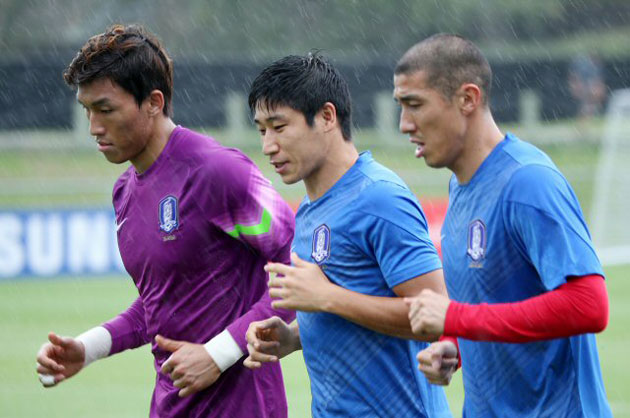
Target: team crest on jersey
{"x": 321, "y": 244}
{"x": 168, "y": 213}
{"x": 477, "y": 237}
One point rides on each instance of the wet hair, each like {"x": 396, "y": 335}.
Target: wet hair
{"x": 448, "y": 61}
{"x": 305, "y": 84}
{"x": 130, "y": 56}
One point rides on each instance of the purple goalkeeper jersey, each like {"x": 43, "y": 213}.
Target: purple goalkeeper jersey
{"x": 194, "y": 232}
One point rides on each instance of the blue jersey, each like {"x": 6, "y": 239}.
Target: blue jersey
{"x": 515, "y": 231}
{"x": 368, "y": 233}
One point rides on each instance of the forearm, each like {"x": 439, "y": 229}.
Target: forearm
{"x": 231, "y": 344}
{"x": 386, "y": 315}
{"x": 577, "y": 307}
{"x": 128, "y": 330}
{"x": 225, "y": 351}
{"x": 272, "y": 239}
{"x": 259, "y": 311}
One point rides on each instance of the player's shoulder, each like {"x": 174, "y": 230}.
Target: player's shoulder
{"x": 384, "y": 192}
{"x": 528, "y": 163}
{"x": 199, "y": 149}
{"x": 380, "y": 191}
{"x": 376, "y": 172}
{"x": 207, "y": 156}
{"x": 525, "y": 154}
{"x": 536, "y": 178}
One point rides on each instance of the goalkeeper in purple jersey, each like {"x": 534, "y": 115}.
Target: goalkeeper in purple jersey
{"x": 196, "y": 223}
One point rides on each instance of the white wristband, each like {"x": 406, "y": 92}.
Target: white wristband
{"x": 224, "y": 350}
{"x": 97, "y": 342}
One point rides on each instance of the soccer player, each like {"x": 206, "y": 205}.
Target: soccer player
{"x": 361, "y": 245}
{"x": 196, "y": 223}
{"x": 527, "y": 288}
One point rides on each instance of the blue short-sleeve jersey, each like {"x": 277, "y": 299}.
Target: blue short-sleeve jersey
{"x": 515, "y": 231}
{"x": 368, "y": 233}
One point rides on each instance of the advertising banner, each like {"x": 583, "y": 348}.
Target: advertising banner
{"x": 49, "y": 243}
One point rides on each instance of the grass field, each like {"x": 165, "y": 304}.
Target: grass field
{"x": 121, "y": 386}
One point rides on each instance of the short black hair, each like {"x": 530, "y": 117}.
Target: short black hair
{"x": 305, "y": 84}
{"x": 129, "y": 55}
{"x": 449, "y": 61}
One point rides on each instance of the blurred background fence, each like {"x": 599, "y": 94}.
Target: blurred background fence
{"x": 33, "y": 95}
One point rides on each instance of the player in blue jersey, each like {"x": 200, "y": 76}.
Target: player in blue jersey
{"x": 361, "y": 245}
{"x": 526, "y": 285}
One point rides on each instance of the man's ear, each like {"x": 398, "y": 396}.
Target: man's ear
{"x": 469, "y": 97}
{"x": 329, "y": 115}
{"x": 156, "y": 102}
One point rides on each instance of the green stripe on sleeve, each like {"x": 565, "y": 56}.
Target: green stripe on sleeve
{"x": 259, "y": 229}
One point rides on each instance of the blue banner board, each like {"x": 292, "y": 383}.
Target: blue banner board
{"x": 49, "y": 243}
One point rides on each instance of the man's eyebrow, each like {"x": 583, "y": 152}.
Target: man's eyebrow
{"x": 100, "y": 102}
{"x": 270, "y": 119}
{"x": 407, "y": 97}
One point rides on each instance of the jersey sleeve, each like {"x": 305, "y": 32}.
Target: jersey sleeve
{"x": 128, "y": 329}
{"x": 246, "y": 207}
{"x": 242, "y": 203}
{"x": 543, "y": 217}
{"x": 395, "y": 233}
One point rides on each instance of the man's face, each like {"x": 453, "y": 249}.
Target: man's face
{"x": 121, "y": 128}
{"x": 295, "y": 149}
{"x": 433, "y": 122}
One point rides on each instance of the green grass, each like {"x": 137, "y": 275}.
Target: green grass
{"x": 121, "y": 386}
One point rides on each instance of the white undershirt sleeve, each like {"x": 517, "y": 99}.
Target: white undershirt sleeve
{"x": 224, "y": 350}
{"x": 97, "y": 342}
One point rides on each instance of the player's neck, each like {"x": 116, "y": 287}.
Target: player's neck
{"x": 482, "y": 137}
{"x": 340, "y": 157}
{"x": 160, "y": 135}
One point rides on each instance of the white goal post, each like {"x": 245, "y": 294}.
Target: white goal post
{"x": 610, "y": 216}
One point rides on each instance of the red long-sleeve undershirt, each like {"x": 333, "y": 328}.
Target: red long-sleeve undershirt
{"x": 576, "y": 307}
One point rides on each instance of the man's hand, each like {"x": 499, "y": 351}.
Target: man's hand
{"x": 427, "y": 313}
{"x": 269, "y": 341}
{"x": 59, "y": 359}
{"x": 190, "y": 366}
{"x": 438, "y": 362}
{"x": 304, "y": 286}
